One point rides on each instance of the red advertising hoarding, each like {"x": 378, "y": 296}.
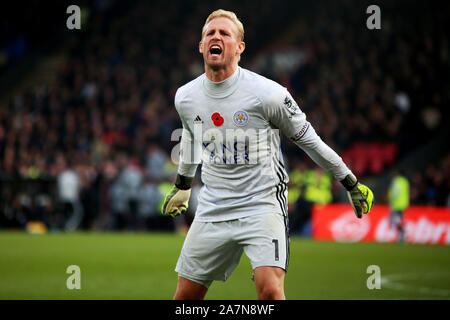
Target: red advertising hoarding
{"x": 337, "y": 222}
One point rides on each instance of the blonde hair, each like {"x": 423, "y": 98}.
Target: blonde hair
{"x": 229, "y": 15}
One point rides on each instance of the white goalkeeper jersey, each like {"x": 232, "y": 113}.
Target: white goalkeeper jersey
{"x": 231, "y": 128}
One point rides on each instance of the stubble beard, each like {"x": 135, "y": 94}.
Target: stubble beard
{"x": 216, "y": 66}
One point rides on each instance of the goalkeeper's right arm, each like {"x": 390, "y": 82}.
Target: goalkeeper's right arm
{"x": 177, "y": 199}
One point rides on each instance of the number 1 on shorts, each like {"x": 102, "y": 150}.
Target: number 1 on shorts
{"x": 275, "y": 241}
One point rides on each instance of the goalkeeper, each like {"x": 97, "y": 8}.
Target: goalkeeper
{"x": 242, "y": 206}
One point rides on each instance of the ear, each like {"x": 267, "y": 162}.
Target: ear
{"x": 240, "y": 48}
{"x": 200, "y": 47}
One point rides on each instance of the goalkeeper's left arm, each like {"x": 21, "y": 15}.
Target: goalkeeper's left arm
{"x": 359, "y": 195}
{"x": 283, "y": 112}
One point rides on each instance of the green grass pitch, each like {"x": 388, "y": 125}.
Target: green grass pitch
{"x": 141, "y": 266}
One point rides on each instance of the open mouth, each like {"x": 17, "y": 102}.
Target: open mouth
{"x": 215, "y": 50}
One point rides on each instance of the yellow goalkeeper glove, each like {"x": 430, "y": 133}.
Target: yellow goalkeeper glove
{"x": 177, "y": 199}
{"x": 359, "y": 195}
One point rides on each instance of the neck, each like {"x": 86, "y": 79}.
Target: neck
{"x": 221, "y": 89}
{"x": 220, "y": 74}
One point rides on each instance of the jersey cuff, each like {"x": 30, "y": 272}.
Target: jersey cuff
{"x": 183, "y": 182}
{"x": 349, "y": 182}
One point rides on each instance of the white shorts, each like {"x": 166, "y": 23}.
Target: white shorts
{"x": 212, "y": 250}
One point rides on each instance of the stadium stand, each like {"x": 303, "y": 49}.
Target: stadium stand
{"x": 108, "y": 115}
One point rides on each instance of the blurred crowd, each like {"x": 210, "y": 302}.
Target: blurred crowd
{"x": 97, "y": 141}
{"x": 432, "y": 186}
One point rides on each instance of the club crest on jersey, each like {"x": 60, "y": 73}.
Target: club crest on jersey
{"x": 240, "y": 118}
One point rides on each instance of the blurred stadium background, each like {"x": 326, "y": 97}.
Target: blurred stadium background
{"x": 86, "y": 118}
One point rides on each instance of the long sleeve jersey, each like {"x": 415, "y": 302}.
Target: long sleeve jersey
{"x": 232, "y": 128}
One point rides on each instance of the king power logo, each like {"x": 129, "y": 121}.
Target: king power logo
{"x": 224, "y": 146}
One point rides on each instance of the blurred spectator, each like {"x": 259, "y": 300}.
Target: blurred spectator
{"x": 398, "y": 202}
{"x": 432, "y": 187}
{"x": 127, "y": 187}
{"x": 156, "y": 161}
{"x": 307, "y": 186}
{"x": 68, "y": 184}
{"x": 90, "y": 179}
{"x": 149, "y": 199}
{"x": 119, "y": 205}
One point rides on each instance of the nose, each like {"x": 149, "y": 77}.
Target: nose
{"x": 216, "y": 35}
